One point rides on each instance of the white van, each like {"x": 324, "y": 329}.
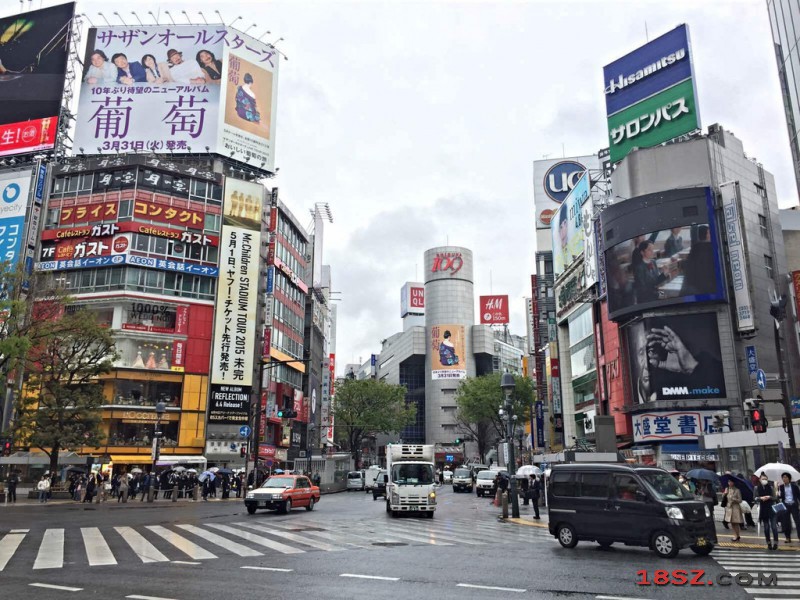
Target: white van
{"x": 370, "y": 475}
{"x": 355, "y": 481}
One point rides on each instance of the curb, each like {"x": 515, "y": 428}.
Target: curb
{"x": 525, "y": 522}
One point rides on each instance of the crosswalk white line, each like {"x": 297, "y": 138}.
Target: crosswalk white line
{"x": 414, "y": 538}
{"x": 8, "y": 546}
{"x": 258, "y": 539}
{"x": 181, "y": 543}
{"x": 341, "y": 538}
{"x": 220, "y": 541}
{"x": 437, "y": 535}
{"x": 146, "y": 552}
{"x": 51, "y": 550}
{"x": 293, "y": 537}
{"x": 97, "y": 551}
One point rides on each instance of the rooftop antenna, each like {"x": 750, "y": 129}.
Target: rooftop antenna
{"x": 137, "y": 18}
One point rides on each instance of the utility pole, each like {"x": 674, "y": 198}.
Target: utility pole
{"x": 507, "y": 384}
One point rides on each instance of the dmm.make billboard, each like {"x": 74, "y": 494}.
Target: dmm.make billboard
{"x": 182, "y": 88}
{"x": 34, "y": 47}
{"x": 650, "y": 94}
{"x": 237, "y": 291}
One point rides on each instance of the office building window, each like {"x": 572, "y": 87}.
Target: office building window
{"x": 768, "y": 265}
{"x": 762, "y": 223}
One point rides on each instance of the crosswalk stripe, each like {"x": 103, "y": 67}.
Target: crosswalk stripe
{"x": 146, "y": 552}
{"x": 220, "y": 541}
{"x": 341, "y": 538}
{"x": 414, "y": 538}
{"x": 51, "y": 550}
{"x": 181, "y": 543}
{"x": 97, "y": 550}
{"x": 438, "y": 535}
{"x": 260, "y": 540}
{"x": 293, "y": 537}
{"x": 8, "y": 546}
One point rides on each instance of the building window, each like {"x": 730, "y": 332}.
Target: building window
{"x": 768, "y": 265}
{"x": 762, "y": 223}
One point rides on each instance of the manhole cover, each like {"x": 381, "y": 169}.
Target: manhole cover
{"x": 389, "y": 544}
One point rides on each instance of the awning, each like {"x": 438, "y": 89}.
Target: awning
{"x": 40, "y": 458}
{"x": 145, "y": 459}
{"x": 175, "y": 459}
{"x": 623, "y": 445}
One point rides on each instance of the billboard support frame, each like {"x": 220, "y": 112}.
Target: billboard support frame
{"x": 65, "y": 116}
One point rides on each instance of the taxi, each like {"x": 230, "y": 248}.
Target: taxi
{"x": 283, "y": 493}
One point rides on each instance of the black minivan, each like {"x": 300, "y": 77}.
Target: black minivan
{"x": 631, "y": 504}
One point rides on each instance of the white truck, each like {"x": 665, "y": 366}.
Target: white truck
{"x": 410, "y": 483}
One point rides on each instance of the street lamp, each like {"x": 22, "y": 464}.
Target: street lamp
{"x": 507, "y": 385}
{"x": 160, "y": 410}
{"x": 310, "y": 445}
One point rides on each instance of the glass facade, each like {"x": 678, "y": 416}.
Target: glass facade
{"x": 412, "y": 375}
{"x": 784, "y": 17}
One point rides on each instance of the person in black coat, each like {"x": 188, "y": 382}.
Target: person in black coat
{"x": 790, "y": 496}
{"x": 535, "y": 490}
{"x": 765, "y": 496}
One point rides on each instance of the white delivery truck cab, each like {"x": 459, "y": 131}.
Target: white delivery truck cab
{"x": 370, "y": 475}
{"x": 410, "y": 483}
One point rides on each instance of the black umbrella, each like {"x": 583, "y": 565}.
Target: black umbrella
{"x": 741, "y": 485}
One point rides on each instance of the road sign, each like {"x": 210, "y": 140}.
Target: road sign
{"x": 761, "y": 379}
{"x": 269, "y": 463}
{"x": 245, "y": 431}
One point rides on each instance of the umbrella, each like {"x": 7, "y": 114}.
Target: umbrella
{"x": 76, "y": 470}
{"x": 192, "y": 471}
{"x": 205, "y": 475}
{"x": 775, "y": 470}
{"x": 136, "y": 470}
{"x": 224, "y": 471}
{"x": 526, "y": 470}
{"x": 703, "y": 475}
{"x": 178, "y": 469}
{"x": 214, "y": 469}
{"x": 278, "y": 471}
{"x": 741, "y": 485}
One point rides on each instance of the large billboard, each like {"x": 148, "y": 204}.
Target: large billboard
{"x": 412, "y": 299}
{"x": 684, "y": 425}
{"x": 650, "y": 94}
{"x": 182, "y": 89}
{"x": 566, "y": 227}
{"x": 675, "y": 357}
{"x": 493, "y": 310}
{"x": 15, "y": 190}
{"x": 34, "y": 49}
{"x": 448, "y": 352}
{"x": 661, "y": 249}
{"x": 237, "y": 301}
{"x": 553, "y": 179}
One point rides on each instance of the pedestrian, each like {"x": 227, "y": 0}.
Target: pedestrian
{"x": 316, "y": 479}
{"x": 12, "y": 481}
{"x": 790, "y": 496}
{"x": 765, "y": 495}
{"x": 43, "y": 487}
{"x": 206, "y": 487}
{"x": 91, "y": 486}
{"x": 122, "y": 487}
{"x": 535, "y": 491}
{"x": 145, "y": 486}
{"x": 733, "y": 511}
{"x": 226, "y": 487}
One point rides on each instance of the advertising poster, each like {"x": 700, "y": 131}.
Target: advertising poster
{"x": 448, "y": 352}
{"x": 567, "y": 228}
{"x": 590, "y": 268}
{"x": 182, "y": 88}
{"x": 14, "y": 192}
{"x": 675, "y": 357}
{"x": 34, "y": 48}
{"x": 737, "y": 259}
{"x": 553, "y": 180}
{"x": 493, "y": 310}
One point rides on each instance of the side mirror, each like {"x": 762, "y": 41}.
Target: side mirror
{"x": 385, "y": 479}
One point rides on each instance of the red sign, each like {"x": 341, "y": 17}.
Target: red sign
{"x": 332, "y": 358}
{"x": 447, "y": 261}
{"x": 298, "y": 406}
{"x": 174, "y": 215}
{"x": 417, "y": 299}
{"x": 266, "y": 451}
{"x": 182, "y": 320}
{"x": 494, "y": 310}
{"x": 28, "y": 136}
{"x": 120, "y": 244}
{"x": 109, "y": 229}
{"x": 267, "y": 342}
{"x": 88, "y": 213}
{"x": 554, "y": 370}
{"x": 179, "y": 353}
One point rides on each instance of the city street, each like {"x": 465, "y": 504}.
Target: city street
{"x": 348, "y": 546}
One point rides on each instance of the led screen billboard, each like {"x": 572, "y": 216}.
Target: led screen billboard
{"x": 566, "y": 228}
{"x": 184, "y": 88}
{"x": 675, "y": 357}
{"x": 34, "y": 49}
{"x": 661, "y": 249}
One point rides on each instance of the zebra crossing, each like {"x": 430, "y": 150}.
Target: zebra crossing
{"x": 784, "y": 564}
{"x": 192, "y": 543}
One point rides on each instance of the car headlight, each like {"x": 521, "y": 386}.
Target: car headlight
{"x": 708, "y": 511}
{"x": 277, "y": 496}
{"x": 432, "y": 498}
{"x": 395, "y": 498}
{"x": 250, "y": 495}
{"x": 673, "y": 512}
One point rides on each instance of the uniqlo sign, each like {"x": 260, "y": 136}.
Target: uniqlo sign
{"x": 494, "y": 310}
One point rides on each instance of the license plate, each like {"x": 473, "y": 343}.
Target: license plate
{"x": 701, "y": 542}
{"x": 413, "y": 508}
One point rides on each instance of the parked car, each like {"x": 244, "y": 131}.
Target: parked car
{"x": 370, "y": 475}
{"x": 637, "y": 506}
{"x": 462, "y": 480}
{"x": 447, "y": 475}
{"x": 379, "y": 487}
{"x": 484, "y": 482}
{"x": 283, "y": 493}
{"x": 355, "y": 481}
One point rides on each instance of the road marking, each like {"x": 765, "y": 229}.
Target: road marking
{"x": 9, "y": 545}
{"x": 259, "y": 539}
{"x": 97, "y": 550}
{"x": 490, "y": 587}
{"x": 56, "y": 587}
{"x": 293, "y": 537}
{"x": 616, "y": 598}
{"x": 185, "y": 562}
{"x": 146, "y": 552}
{"x": 268, "y": 569}
{"x": 135, "y": 597}
{"x": 234, "y": 547}
{"x": 181, "y": 543}
{"x": 19, "y": 531}
{"x": 51, "y": 551}
{"x": 369, "y": 577}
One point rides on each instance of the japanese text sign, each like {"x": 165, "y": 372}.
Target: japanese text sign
{"x": 682, "y": 425}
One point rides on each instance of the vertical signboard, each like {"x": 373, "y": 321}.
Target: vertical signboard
{"x": 448, "y": 359}
{"x": 530, "y": 318}
{"x": 412, "y": 299}
{"x": 590, "y": 269}
{"x": 331, "y": 376}
{"x": 235, "y": 322}
{"x": 752, "y": 360}
{"x": 737, "y": 258}
{"x": 15, "y": 190}
{"x": 493, "y": 310}
{"x": 567, "y": 229}
{"x": 539, "y": 408}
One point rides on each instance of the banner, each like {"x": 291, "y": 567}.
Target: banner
{"x": 15, "y": 191}
{"x": 590, "y": 268}
{"x": 737, "y": 258}
{"x": 566, "y": 227}
{"x": 448, "y": 352}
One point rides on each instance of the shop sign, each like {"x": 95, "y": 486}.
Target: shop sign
{"x": 680, "y": 425}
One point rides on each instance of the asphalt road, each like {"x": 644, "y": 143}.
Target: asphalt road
{"x": 347, "y": 547}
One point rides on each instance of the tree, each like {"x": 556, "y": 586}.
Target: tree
{"x": 479, "y": 400}
{"x": 365, "y": 406}
{"x": 60, "y": 408}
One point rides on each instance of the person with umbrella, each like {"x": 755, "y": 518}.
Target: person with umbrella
{"x": 747, "y": 497}
{"x": 765, "y": 494}
{"x": 733, "y": 511}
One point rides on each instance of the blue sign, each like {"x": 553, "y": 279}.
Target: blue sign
{"x": 761, "y": 379}
{"x": 561, "y": 178}
{"x": 121, "y": 259}
{"x": 38, "y": 193}
{"x": 14, "y": 189}
{"x": 245, "y": 431}
{"x": 373, "y": 360}
{"x": 752, "y": 359}
{"x": 539, "y": 407}
{"x": 650, "y": 69}
{"x": 270, "y": 279}
{"x": 448, "y": 458}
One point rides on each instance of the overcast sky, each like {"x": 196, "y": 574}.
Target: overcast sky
{"x": 418, "y": 122}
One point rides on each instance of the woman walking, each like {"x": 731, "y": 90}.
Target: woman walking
{"x": 733, "y": 511}
{"x": 765, "y": 495}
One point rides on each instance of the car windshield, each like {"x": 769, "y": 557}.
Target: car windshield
{"x": 487, "y": 474}
{"x": 462, "y": 473}
{"x": 412, "y": 474}
{"x": 665, "y": 486}
{"x": 354, "y": 475}
{"x": 278, "y": 482}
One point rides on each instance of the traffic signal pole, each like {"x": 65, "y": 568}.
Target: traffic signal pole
{"x": 786, "y": 399}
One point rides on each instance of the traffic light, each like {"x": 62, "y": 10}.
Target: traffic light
{"x": 5, "y": 446}
{"x": 459, "y": 441}
{"x": 759, "y": 420}
{"x": 243, "y": 451}
{"x": 287, "y": 413}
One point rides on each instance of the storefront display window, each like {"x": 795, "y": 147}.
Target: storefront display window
{"x": 147, "y": 393}
{"x": 124, "y": 432}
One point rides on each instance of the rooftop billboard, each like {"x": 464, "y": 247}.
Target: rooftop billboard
{"x": 553, "y": 179}
{"x": 567, "y": 227}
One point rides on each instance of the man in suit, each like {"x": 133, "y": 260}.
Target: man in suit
{"x": 128, "y": 73}
{"x": 789, "y": 494}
